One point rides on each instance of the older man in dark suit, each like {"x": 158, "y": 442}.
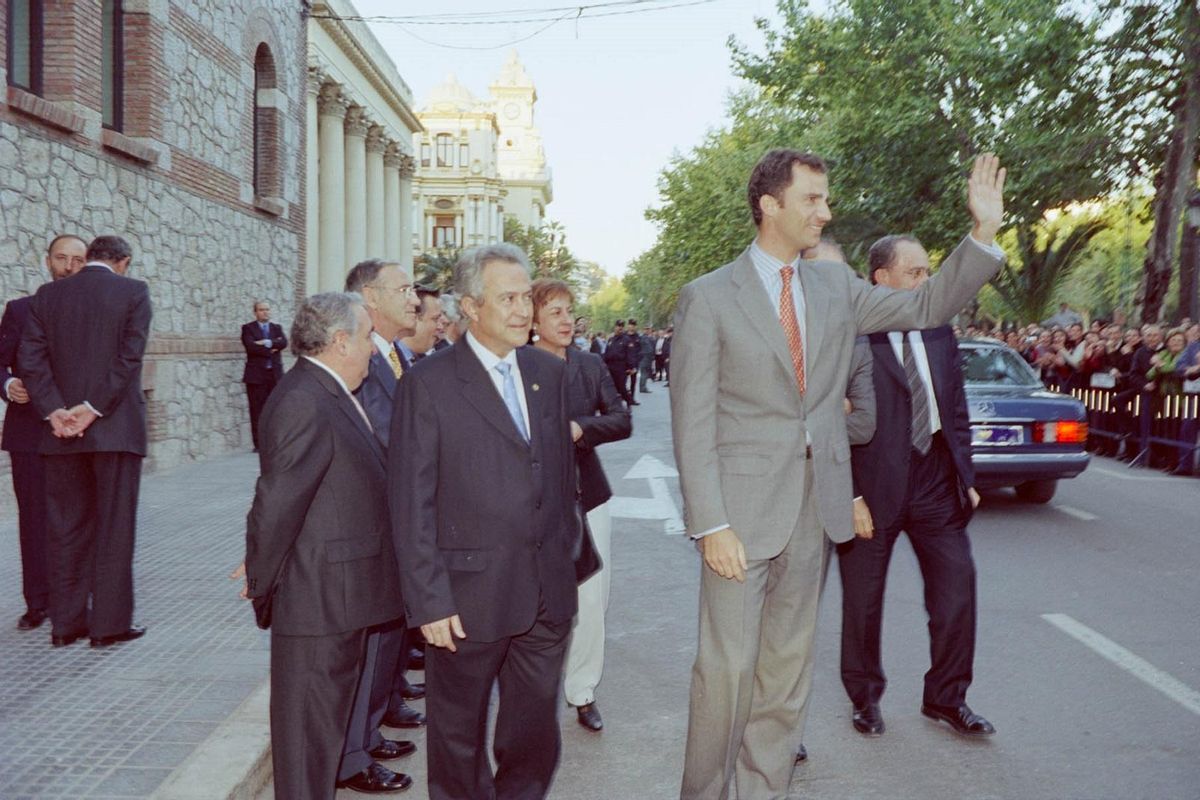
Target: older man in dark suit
{"x": 391, "y": 304}
{"x": 320, "y": 566}
{"x": 65, "y": 256}
{"x": 94, "y": 446}
{"x": 483, "y": 497}
{"x": 264, "y": 342}
{"x": 915, "y": 475}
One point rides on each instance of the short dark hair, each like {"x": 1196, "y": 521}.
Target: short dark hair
{"x": 60, "y": 237}
{"x": 362, "y": 273}
{"x": 773, "y": 174}
{"x": 620, "y": 322}
{"x": 883, "y": 252}
{"x": 109, "y": 248}
{"x": 423, "y": 293}
{"x": 632, "y": 322}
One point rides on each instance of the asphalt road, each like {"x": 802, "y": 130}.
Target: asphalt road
{"x": 1113, "y": 559}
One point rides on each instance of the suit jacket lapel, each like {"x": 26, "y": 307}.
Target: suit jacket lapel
{"x": 816, "y": 309}
{"x": 885, "y": 359}
{"x": 753, "y": 300}
{"x": 346, "y": 405}
{"x": 480, "y": 392}
{"x": 533, "y": 394}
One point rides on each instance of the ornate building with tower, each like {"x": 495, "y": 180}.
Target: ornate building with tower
{"x": 478, "y": 162}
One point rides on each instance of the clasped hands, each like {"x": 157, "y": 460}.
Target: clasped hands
{"x": 70, "y": 423}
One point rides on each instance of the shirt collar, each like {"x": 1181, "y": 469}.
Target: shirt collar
{"x": 487, "y": 357}
{"x": 758, "y": 254}
{"x": 328, "y": 369}
{"x": 100, "y": 264}
{"x": 382, "y": 345}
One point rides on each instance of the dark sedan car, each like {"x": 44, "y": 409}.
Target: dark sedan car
{"x": 1021, "y": 434}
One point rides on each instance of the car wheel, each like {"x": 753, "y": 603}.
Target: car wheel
{"x": 1037, "y": 491}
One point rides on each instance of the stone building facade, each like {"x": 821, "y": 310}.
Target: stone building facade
{"x": 480, "y": 161}
{"x": 359, "y": 157}
{"x": 173, "y": 123}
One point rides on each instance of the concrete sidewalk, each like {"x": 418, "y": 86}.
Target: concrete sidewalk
{"x": 117, "y": 723}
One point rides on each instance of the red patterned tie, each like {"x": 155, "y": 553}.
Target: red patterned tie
{"x": 791, "y": 326}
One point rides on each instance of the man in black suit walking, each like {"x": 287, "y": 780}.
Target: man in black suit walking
{"x": 483, "y": 499}
{"x": 319, "y": 566}
{"x": 81, "y": 359}
{"x": 264, "y": 342}
{"x": 915, "y": 475}
{"x": 65, "y": 256}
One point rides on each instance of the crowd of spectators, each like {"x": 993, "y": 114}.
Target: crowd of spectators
{"x": 1151, "y": 362}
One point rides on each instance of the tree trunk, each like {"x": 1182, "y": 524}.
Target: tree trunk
{"x": 1189, "y": 261}
{"x": 1177, "y": 176}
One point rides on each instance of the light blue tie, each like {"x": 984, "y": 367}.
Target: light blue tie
{"x": 510, "y": 399}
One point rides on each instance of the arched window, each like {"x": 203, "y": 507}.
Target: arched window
{"x": 24, "y": 38}
{"x": 112, "y": 65}
{"x": 266, "y": 124}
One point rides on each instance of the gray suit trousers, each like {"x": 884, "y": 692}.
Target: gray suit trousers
{"x": 754, "y": 668}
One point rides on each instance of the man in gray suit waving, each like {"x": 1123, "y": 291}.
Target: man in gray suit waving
{"x": 761, "y": 363}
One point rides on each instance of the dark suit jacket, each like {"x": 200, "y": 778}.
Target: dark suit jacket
{"x": 317, "y": 528}
{"x": 376, "y": 394}
{"x": 594, "y": 402}
{"x": 263, "y": 364}
{"x": 486, "y": 521}
{"x": 22, "y": 425}
{"x": 84, "y": 340}
{"x": 880, "y": 468}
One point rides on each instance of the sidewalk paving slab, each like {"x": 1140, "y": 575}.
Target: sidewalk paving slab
{"x": 83, "y": 723}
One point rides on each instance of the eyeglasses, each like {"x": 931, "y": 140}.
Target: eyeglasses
{"x": 406, "y": 289}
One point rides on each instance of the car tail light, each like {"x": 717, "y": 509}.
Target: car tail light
{"x": 1066, "y": 431}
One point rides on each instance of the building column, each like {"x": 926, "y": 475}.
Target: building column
{"x": 331, "y": 107}
{"x": 407, "y": 169}
{"x": 376, "y": 216}
{"x": 312, "y": 179}
{"x": 356, "y": 188}
{"x": 468, "y": 224}
{"x": 393, "y": 216}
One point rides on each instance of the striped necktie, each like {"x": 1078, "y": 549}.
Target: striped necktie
{"x": 922, "y": 428}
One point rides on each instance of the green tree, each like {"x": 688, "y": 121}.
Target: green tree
{"x": 606, "y": 305}
{"x": 546, "y": 247}
{"x": 906, "y": 94}
{"x": 436, "y": 269}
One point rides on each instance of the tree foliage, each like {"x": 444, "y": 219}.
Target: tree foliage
{"x": 899, "y": 98}
{"x": 547, "y": 249}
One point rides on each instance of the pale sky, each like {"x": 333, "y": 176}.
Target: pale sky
{"x": 617, "y": 96}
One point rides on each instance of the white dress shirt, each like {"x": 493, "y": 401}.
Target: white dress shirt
{"x": 922, "y": 360}
{"x": 489, "y": 361}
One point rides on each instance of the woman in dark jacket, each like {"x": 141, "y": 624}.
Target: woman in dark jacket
{"x": 598, "y": 415}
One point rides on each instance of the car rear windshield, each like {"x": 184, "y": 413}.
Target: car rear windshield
{"x": 996, "y": 366}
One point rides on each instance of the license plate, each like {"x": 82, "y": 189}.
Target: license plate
{"x": 997, "y": 434}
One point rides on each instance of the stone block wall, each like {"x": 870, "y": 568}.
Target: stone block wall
{"x": 177, "y": 182}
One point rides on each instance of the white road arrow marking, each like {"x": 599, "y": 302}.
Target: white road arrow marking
{"x": 660, "y": 505}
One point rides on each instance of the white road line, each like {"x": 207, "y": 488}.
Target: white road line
{"x": 1075, "y": 512}
{"x": 1137, "y": 666}
{"x": 1127, "y": 475}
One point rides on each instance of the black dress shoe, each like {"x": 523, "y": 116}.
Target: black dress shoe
{"x": 392, "y": 749}
{"x": 961, "y": 718}
{"x": 33, "y": 618}
{"x": 377, "y": 779}
{"x": 416, "y": 658}
{"x": 134, "y": 632}
{"x": 404, "y": 717}
{"x": 412, "y": 691}
{"x": 634, "y": 403}
{"x": 589, "y": 717}
{"x": 66, "y": 639}
{"x": 868, "y": 720}
{"x": 801, "y": 755}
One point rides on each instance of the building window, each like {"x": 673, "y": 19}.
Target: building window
{"x": 445, "y": 150}
{"x": 25, "y": 45}
{"x": 266, "y": 125}
{"x": 425, "y": 150}
{"x": 443, "y": 231}
{"x": 112, "y": 64}
{"x": 464, "y": 155}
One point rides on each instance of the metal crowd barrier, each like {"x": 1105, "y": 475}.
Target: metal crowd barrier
{"x": 1142, "y": 419}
